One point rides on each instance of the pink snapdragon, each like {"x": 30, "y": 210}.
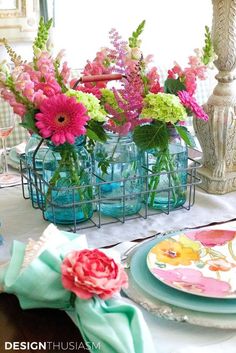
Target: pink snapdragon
{"x": 35, "y": 76}
{"x": 95, "y": 90}
{"x": 45, "y": 63}
{"x": 189, "y": 75}
{"x": 21, "y": 80}
{"x": 19, "y": 109}
{"x": 190, "y": 82}
{"x": 38, "y": 98}
{"x": 106, "y": 56}
{"x": 60, "y": 55}
{"x": 175, "y": 72}
{"x": 8, "y": 96}
{"x": 197, "y": 67}
{"x": 65, "y": 72}
{"x": 50, "y": 87}
{"x": 95, "y": 68}
{"x": 153, "y": 81}
{"x": 28, "y": 91}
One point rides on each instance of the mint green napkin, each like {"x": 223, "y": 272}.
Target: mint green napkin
{"x": 112, "y": 325}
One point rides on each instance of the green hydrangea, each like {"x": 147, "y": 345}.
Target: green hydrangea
{"x": 94, "y": 110}
{"x": 163, "y": 107}
{"x": 108, "y": 97}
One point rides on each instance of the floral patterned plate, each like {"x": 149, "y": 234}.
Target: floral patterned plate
{"x": 201, "y": 262}
{"x": 140, "y": 276}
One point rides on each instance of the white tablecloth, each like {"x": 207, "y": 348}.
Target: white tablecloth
{"x": 20, "y": 221}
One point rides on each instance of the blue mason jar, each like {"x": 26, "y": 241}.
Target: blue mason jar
{"x": 67, "y": 174}
{"x": 34, "y": 155}
{"x": 119, "y": 186}
{"x": 167, "y": 174}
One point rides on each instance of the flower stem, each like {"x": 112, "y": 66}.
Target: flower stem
{"x": 165, "y": 163}
{"x": 69, "y": 163}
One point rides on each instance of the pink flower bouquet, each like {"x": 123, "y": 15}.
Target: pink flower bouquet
{"x": 40, "y": 92}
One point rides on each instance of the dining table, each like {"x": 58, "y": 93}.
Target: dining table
{"x": 20, "y": 221}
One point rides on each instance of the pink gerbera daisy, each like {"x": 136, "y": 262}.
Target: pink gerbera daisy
{"x": 61, "y": 118}
{"x": 190, "y": 102}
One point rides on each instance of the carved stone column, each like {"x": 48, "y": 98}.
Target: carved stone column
{"x": 217, "y": 137}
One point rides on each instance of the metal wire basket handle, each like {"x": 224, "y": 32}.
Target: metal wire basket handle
{"x": 96, "y": 78}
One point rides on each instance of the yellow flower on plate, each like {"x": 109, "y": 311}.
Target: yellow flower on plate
{"x": 174, "y": 253}
{"x": 185, "y": 241}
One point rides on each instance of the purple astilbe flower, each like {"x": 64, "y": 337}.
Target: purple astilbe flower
{"x": 120, "y": 51}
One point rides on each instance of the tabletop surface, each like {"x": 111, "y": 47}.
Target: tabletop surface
{"x": 20, "y": 221}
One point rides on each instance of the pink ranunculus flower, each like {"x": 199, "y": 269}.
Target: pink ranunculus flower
{"x": 90, "y": 272}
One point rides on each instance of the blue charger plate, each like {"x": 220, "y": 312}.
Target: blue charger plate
{"x": 151, "y": 285}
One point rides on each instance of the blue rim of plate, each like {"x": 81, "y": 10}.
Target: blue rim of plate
{"x": 151, "y": 285}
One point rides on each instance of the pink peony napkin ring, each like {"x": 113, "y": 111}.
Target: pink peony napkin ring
{"x": 87, "y": 273}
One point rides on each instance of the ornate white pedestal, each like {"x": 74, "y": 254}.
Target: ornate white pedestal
{"x": 217, "y": 137}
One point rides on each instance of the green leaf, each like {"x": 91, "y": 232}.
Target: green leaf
{"x": 95, "y": 131}
{"x": 185, "y": 135}
{"x": 29, "y": 121}
{"x": 104, "y": 165}
{"x": 151, "y": 136}
{"x": 173, "y": 86}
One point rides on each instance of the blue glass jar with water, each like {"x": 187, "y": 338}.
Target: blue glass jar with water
{"x": 118, "y": 169}
{"x": 35, "y": 151}
{"x": 67, "y": 174}
{"x": 167, "y": 174}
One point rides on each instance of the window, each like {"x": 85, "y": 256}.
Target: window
{"x": 173, "y": 27}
